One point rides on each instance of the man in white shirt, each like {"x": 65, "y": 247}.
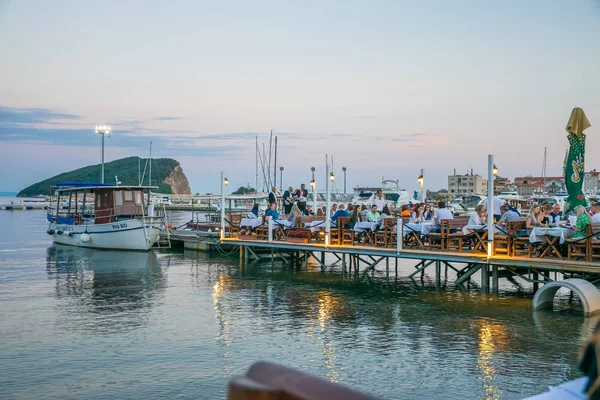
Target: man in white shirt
{"x": 442, "y": 213}
{"x": 497, "y": 202}
{"x": 596, "y": 210}
{"x": 379, "y": 201}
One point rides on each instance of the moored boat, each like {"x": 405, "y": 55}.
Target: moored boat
{"x": 123, "y": 217}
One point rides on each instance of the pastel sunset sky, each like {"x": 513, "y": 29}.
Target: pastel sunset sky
{"x": 387, "y": 87}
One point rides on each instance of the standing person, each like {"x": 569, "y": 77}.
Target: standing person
{"x": 273, "y": 196}
{"x": 288, "y": 200}
{"x": 301, "y": 194}
{"x": 379, "y": 200}
{"x": 497, "y": 203}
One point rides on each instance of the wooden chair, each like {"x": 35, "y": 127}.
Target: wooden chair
{"x": 348, "y": 235}
{"x": 503, "y": 240}
{"x": 519, "y": 244}
{"x": 594, "y": 248}
{"x": 234, "y": 224}
{"x": 389, "y": 226}
{"x": 335, "y": 236}
{"x": 437, "y": 240}
{"x": 454, "y": 235}
{"x": 262, "y": 231}
{"x": 580, "y": 247}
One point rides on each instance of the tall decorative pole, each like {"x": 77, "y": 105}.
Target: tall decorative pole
{"x": 327, "y": 204}
{"x": 224, "y": 182}
{"x": 313, "y": 184}
{"x": 490, "y": 205}
{"x": 103, "y": 130}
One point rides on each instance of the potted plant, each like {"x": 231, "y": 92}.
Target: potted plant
{"x": 298, "y": 236}
{"x": 246, "y": 234}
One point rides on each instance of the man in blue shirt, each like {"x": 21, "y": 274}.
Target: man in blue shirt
{"x": 341, "y": 212}
{"x": 272, "y": 212}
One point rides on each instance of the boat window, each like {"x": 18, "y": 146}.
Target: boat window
{"x": 138, "y": 198}
{"x": 118, "y": 198}
{"x": 98, "y": 200}
{"x": 128, "y": 195}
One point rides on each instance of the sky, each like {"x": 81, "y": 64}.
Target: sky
{"x": 386, "y": 87}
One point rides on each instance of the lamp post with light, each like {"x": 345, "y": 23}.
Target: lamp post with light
{"x": 104, "y": 131}
{"x": 224, "y": 182}
{"x": 313, "y": 185}
{"x": 421, "y": 180}
{"x": 344, "y": 169}
{"x": 280, "y": 179}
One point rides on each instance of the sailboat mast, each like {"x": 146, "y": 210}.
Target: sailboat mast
{"x": 150, "y": 167}
{"x": 275, "y": 166}
{"x": 256, "y": 161}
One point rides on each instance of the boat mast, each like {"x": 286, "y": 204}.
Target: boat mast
{"x": 544, "y": 169}
{"x": 150, "y": 168}
{"x": 275, "y": 166}
{"x": 256, "y": 162}
{"x": 269, "y": 163}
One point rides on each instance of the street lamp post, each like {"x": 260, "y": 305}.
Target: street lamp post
{"x": 224, "y": 181}
{"x": 103, "y": 130}
{"x": 280, "y": 179}
{"x": 490, "y": 206}
{"x": 344, "y": 169}
{"x": 421, "y": 180}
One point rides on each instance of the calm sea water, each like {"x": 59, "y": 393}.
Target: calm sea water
{"x": 171, "y": 324}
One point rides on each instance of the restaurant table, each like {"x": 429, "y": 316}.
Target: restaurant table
{"x": 550, "y": 238}
{"x": 367, "y": 228}
{"x": 251, "y": 222}
{"x": 316, "y": 226}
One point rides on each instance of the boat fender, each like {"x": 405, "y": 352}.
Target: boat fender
{"x": 70, "y": 234}
{"x": 85, "y": 237}
{"x": 170, "y": 226}
{"x": 50, "y": 231}
{"x": 59, "y": 232}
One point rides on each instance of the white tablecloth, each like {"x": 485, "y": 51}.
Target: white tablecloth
{"x": 537, "y": 234}
{"x": 316, "y": 226}
{"x": 364, "y": 226}
{"x": 250, "y": 222}
{"x": 472, "y": 228}
{"x": 410, "y": 227}
{"x": 284, "y": 223}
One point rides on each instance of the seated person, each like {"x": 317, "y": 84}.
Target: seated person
{"x": 385, "y": 213}
{"x": 272, "y": 212}
{"x": 254, "y": 212}
{"x": 596, "y": 211}
{"x": 363, "y": 212}
{"x": 555, "y": 216}
{"x": 583, "y": 219}
{"x": 373, "y": 215}
{"x": 340, "y": 212}
{"x": 535, "y": 217}
{"x": 405, "y": 212}
{"x": 418, "y": 216}
{"x": 507, "y": 215}
{"x": 479, "y": 216}
{"x": 442, "y": 213}
{"x": 428, "y": 213}
{"x": 293, "y": 214}
{"x": 308, "y": 211}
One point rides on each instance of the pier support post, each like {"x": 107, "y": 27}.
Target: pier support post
{"x": 438, "y": 273}
{"x": 485, "y": 279}
{"x": 494, "y": 279}
{"x": 323, "y": 260}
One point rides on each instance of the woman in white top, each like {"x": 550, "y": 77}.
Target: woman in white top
{"x": 479, "y": 216}
{"x": 417, "y": 216}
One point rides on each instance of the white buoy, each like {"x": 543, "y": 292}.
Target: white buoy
{"x": 85, "y": 237}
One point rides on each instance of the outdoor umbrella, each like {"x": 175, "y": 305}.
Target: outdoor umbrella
{"x": 574, "y": 167}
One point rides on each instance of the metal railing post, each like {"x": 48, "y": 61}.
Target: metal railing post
{"x": 399, "y": 235}
{"x": 270, "y": 227}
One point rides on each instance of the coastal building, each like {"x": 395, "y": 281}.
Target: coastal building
{"x": 502, "y": 185}
{"x": 527, "y": 185}
{"x": 590, "y": 182}
{"x": 468, "y": 184}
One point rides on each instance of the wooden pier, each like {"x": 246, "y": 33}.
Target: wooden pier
{"x": 363, "y": 259}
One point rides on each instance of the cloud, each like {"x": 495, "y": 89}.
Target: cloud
{"x": 166, "y": 118}
{"x": 10, "y": 115}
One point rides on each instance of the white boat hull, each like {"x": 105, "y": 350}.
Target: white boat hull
{"x": 123, "y": 235}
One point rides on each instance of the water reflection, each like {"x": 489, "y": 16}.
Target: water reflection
{"x": 104, "y": 291}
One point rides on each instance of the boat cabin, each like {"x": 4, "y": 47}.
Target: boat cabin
{"x": 98, "y": 203}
